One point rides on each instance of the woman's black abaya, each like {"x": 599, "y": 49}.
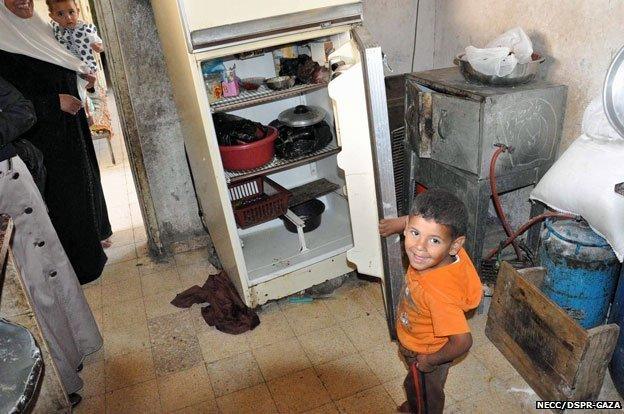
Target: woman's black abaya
{"x": 73, "y": 191}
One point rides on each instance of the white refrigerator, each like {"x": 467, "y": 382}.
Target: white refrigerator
{"x": 266, "y": 262}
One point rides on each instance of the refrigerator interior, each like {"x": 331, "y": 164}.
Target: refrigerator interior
{"x": 269, "y": 249}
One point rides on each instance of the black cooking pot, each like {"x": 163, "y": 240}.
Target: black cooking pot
{"x": 310, "y": 212}
{"x": 302, "y": 131}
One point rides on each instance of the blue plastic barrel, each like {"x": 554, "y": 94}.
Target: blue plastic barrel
{"x": 581, "y": 270}
{"x": 617, "y": 316}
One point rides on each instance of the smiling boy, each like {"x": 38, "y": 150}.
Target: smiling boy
{"x": 441, "y": 284}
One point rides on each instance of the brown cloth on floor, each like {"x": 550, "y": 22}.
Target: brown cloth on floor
{"x": 226, "y": 311}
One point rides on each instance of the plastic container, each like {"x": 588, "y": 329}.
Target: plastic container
{"x": 249, "y": 156}
{"x": 581, "y": 271}
{"x": 214, "y": 89}
{"x": 310, "y": 212}
{"x": 257, "y": 200}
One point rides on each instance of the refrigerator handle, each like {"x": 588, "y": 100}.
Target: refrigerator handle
{"x": 381, "y": 144}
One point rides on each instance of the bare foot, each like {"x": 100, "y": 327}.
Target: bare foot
{"x": 106, "y": 243}
{"x": 391, "y": 226}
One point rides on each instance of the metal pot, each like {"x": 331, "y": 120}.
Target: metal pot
{"x": 310, "y": 212}
{"x": 522, "y": 73}
{"x": 302, "y": 130}
{"x": 613, "y": 93}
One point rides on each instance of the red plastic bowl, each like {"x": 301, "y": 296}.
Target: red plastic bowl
{"x": 249, "y": 156}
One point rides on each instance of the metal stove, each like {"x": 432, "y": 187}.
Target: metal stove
{"x": 451, "y": 127}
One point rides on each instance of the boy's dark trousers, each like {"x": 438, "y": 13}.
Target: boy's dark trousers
{"x": 424, "y": 390}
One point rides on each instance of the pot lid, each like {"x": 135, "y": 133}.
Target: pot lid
{"x": 613, "y": 93}
{"x": 302, "y": 116}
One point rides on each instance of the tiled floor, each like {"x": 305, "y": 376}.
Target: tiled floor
{"x": 333, "y": 355}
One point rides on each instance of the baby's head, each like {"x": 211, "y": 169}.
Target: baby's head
{"x": 64, "y": 12}
{"x": 436, "y": 229}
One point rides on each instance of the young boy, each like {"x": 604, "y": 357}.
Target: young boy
{"x": 440, "y": 285}
{"x": 78, "y": 37}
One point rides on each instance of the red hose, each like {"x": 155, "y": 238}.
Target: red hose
{"x": 526, "y": 226}
{"x": 497, "y": 205}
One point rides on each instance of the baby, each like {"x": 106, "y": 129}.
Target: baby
{"x": 78, "y": 37}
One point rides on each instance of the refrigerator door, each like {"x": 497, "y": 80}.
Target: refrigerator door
{"x": 361, "y": 115}
{"x": 250, "y": 20}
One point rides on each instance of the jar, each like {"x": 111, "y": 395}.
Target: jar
{"x": 212, "y": 81}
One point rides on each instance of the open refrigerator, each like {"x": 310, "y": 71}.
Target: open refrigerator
{"x": 353, "y": 175}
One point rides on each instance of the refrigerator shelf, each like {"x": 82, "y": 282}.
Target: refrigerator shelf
{"x": 281, "y": 165}
{"x": 311, "y": 191}
{"x": 262, "y": 95}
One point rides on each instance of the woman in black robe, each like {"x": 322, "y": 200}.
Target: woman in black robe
{"x": 73, "y": 192}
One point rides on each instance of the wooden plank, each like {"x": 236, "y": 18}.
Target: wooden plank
{"x": 535, "y": 275}
{"x": 555, "y": 355}
{"x": 591, "y": 372}
{"x": 546, "y": 383}
{"x": 542, "y": 329}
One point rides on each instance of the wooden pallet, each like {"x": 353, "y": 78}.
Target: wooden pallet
{"x": 557, "y": 357}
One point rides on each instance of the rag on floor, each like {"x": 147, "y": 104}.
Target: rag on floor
{"x": 226, "y": 311}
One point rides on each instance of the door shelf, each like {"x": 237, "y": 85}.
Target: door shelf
{"x": 281, "y": 165}
{"x": 262, "y": 95}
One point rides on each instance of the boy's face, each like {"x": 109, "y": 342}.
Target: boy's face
{"x": 430, "y": 245}
{"x": 65, "y": 13}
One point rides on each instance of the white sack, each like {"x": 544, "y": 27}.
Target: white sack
{"x": 581, "y": 182}
{"x": 596, "y": 124}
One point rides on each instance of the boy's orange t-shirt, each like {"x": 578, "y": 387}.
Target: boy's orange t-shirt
{"x": 433, "y": 304}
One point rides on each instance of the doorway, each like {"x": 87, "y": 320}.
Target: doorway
{"x": 129, "y": 239}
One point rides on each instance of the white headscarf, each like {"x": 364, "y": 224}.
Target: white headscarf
{"x": 33, "y": 37}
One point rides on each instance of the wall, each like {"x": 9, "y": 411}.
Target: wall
{"x": 151, "y": 125}
{"x": 392, "y": 22}
{"x": 578, "y": 38}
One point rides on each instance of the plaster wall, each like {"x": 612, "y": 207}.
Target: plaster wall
{"x": 579, "y": 39}
{"x": 392, "y": 23}
{"x": 145, "y": 99}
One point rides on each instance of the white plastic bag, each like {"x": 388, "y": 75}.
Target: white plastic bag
{"x": 501, "y": 55}
{"x": 493, "y": 61}
{"x": 518, "y": 43}
{"x": 582, "y": 182}
{"x": 595, "y": 123}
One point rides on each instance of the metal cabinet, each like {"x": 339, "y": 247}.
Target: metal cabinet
{"x": 452, "y": 127}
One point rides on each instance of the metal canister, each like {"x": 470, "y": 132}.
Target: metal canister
{"x": 581, "y": 270}
{"x": 617, "y": 316}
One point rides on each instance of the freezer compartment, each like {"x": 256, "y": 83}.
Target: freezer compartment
{"x": 271, "y": 251}
{"x": 246, "y": 20}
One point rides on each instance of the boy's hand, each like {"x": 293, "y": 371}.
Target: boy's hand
{"x": 391, "y": 226}
{"x": 423, "y": 364}
{"x": 97, "y": 47}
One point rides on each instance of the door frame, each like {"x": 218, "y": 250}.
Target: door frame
{"x": 105, "y": 13}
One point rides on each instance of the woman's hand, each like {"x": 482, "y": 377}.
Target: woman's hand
{"x": 391, "y": 226}
{"x": 69, "y": 104}
{"x": 97, "y": 47}
{"x": 90, "y": 78}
